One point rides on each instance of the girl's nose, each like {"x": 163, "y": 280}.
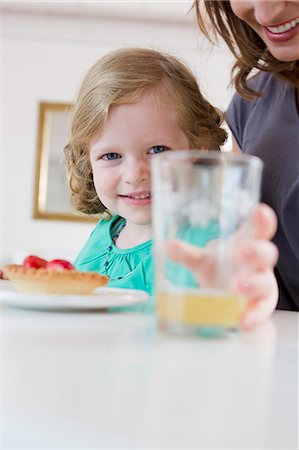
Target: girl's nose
{"x": 137, "y": 171}
{"x": 268, "y": 12}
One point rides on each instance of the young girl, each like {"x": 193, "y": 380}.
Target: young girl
{"x": 133, "y": 104}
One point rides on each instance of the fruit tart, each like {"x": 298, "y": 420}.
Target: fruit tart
{"x": 39, "y": 276}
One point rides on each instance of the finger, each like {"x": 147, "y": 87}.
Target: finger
{"x": 201, "y": 262}
{"x": 261, "y": 292}
{"x": 256, "y": 285}
{"x": 264, "y": 222}
{"x": 257, "y": 254}
{"x": 185, "y": 254}
{"x": 262, "y": 310}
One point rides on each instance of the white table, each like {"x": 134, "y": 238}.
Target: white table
{"x": 110, "y": 380}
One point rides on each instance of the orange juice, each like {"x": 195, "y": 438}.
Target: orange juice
{"x": 201, "y": 308}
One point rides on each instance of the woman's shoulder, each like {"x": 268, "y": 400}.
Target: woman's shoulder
{"x": 273, "y": 93}
{"x": 260, "y": 80}
{"x": 269, "y": 85}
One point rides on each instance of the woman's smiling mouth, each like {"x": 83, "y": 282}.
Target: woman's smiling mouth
{"x": 282, "y": 28}
{"x": 282, "y": 32}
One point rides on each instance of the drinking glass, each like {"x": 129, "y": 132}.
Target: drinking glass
{"x": 203, "y": 198}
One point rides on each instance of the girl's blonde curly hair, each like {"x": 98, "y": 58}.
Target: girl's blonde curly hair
{"x": 125, "y": 76}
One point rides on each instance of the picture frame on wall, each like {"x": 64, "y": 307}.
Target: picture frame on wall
{"x": 52, "y": 199}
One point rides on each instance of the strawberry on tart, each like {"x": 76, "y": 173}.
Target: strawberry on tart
{"x": 58, "y": 276}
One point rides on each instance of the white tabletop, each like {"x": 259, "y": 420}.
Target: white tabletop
{"x": 110, "y": 380}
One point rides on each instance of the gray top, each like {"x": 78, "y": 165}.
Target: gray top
{"x": 269, "y": 128}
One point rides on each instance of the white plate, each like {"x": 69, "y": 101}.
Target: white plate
{"x": 101, "y": 298}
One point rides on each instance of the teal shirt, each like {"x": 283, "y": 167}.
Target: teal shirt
{"x": 134, "y": 265}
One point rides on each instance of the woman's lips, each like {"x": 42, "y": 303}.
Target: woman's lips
{"x": 281, "y": 36}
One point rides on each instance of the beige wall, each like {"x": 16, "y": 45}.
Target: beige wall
{"x": 44, "y": 57}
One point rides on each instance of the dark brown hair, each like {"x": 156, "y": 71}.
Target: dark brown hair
{"x": 248, "y": 48}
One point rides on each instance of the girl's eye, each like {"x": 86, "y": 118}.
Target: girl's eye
{"x": 158, "y": 149}
{"x": 110, "y": 156}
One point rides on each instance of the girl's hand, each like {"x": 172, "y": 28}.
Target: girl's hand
{"x": 259, "y": 285}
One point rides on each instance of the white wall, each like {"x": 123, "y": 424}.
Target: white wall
{"x": 44, "y": 57}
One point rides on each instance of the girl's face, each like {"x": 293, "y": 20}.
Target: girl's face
{"x": 275, "y": 21}
{"x": 121, "y": 153}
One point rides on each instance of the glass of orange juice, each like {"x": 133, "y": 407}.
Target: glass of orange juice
{"x": 203, "y": 198}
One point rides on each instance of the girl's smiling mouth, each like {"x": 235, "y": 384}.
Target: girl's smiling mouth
{"x": 141, "y": 198}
